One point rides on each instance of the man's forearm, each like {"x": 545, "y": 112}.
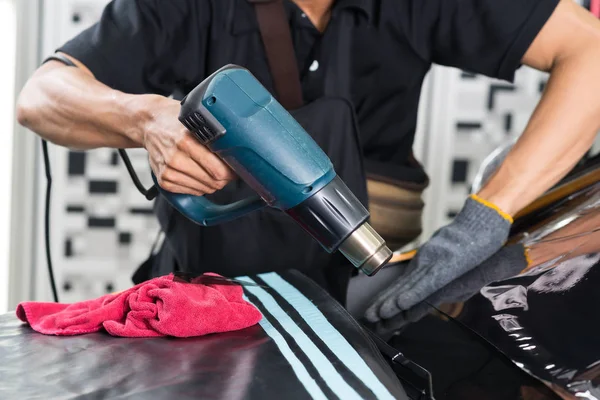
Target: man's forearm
{"x": 561, "y": 130}
{"x": 68, "y": 107}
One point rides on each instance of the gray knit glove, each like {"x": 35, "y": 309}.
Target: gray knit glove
{"x": 509, "y": 261}
{"x": 477, "y": 232}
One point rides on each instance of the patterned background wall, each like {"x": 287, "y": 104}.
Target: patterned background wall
{"x": 485, "y": 114}
{"x": 102, "y": 228}
{"x": 107, "y": 227}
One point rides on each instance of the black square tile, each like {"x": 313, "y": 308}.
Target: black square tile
{"x": 103, "y": 187}
{"x": 76, "y": 163}
{"x": 124, "y": 237}
{"x": 459, "y": 171}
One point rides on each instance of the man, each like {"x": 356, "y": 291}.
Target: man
{"x": 142, "y": 51}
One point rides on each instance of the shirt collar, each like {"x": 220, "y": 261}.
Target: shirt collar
{"x": 364, "y": 6}
{"x": 243, "y": 19}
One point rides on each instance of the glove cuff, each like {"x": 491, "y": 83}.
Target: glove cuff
{"x": 484, "y": 220}
{"x": 493, "y": 207}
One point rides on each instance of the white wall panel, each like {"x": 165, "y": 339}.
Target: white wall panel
{"x": 8, "y": 29}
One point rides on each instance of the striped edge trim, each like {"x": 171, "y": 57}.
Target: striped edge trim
{"x": 299, "y": 369}
{"x": 332, "y": 338}
{"x": 321, "y": 363}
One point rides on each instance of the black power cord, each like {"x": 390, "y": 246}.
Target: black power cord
{"x": 149, "y": 194}
{"x": 47, "y": 219}
{"x": 66, "y": 61}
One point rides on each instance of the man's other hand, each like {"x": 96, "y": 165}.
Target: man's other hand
{"x": 477, "y": 232}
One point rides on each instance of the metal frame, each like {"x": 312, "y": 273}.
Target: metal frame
{"x": 25, "y": 156}
{"x": 438, "y": 146}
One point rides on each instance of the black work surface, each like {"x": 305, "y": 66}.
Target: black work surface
{"x": 304, "y": 362}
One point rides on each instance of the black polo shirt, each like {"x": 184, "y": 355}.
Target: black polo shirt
{"x": 168, "y": 46}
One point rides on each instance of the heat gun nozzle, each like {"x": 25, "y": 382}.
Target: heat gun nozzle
{"x": 366, "y": 250}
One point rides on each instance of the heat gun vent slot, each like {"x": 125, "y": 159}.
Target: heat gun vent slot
{"x": 197, "y": 124}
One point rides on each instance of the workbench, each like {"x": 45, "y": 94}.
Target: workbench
{"x": 306, "y": 346}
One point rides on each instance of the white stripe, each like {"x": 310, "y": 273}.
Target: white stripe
{"x": 330, "y": 375}
{"x": 327, "y": 333}
{"x": 309, "y": 383}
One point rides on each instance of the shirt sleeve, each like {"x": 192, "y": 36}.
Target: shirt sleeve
{"x": 144, "y": 46}
{"x": 489, "y": 37}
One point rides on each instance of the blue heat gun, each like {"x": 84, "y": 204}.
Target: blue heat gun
{"x": 236, "y": 118}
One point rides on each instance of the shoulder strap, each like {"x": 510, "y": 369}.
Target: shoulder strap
{"x": 277, "y": 40}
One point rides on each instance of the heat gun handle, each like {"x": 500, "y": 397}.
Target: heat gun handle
{"x": 204, "y": 212}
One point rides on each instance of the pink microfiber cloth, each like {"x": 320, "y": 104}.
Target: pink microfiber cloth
{"x": 158, "y": 307}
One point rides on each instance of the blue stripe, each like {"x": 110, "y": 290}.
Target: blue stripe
{"x": 327, "y": 333}
{"x": 330, "y": 375}
{"x": 309, "y": 383}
